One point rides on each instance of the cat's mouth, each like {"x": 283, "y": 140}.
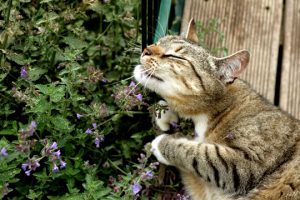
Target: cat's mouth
{"x": 144, "y": 74}
{"x": 151, "y": 75}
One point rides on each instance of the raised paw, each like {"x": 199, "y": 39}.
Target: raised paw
{"x": 155, "y": 149}
{"x": 164, "y": 119}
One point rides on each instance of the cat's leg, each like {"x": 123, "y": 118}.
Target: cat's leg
{"x": 165, "y": 118}
{"x": 221, "y": 166}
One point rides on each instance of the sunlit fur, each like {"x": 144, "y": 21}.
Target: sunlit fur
{"x": 251, "y": 149}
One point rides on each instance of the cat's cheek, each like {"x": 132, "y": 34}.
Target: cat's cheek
{"x": 155, "y": 149}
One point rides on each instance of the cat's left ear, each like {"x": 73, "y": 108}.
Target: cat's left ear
{"x": 191, "y": 33}
{"x": 230, "y": 67}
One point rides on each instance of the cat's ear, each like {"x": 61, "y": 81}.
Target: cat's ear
{"x": 191, "y": 33}
{"x": 230, "y": 67}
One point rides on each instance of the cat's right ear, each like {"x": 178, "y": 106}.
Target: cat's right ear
{"x": 230, "y": 67}
{"x": 191, "y": 33}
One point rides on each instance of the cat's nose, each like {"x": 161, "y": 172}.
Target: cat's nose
{"x": 147, "y": 52}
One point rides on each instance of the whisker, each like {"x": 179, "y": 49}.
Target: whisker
{"x": 136, "y": 84}
{"x": 161, "y": 27}
{"x": 149, "y": 77}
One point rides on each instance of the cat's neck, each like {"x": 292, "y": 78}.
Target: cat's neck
{"x": 194, "y": 107}
{"x": 207, "y": 114}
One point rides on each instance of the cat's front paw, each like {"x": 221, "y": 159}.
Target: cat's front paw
{"x": 164, "y": 119}
{"x": 155, "y": 149}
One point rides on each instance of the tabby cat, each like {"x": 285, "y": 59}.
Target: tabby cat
{"x": 245, "y": 147}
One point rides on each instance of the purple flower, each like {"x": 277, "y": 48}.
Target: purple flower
{"x": 57, "y": 154}
{"x": 132, "y": 84}
{"x": 28, "y": 172}
{"x": 3, "y": 152}
{"x": 31, "y": 164}
{"x": 139, "y": 97}
{"x": 24, "y": 72}
{"x": 55, "y": 168}
{"x": 54, "y": 145}
{"x": 62, "y": 164}
{"x": 174, "y": 125}
{"x": 98, "y": 140}
{"x": 36, "y": 164}
{"x": 33, "y": 124}
{"x": 149, "y": 174}
{"x": 88, "y": 131}
{"x": 104, "y": 81}
{"x": 78, "y": 115}
{"x": 32, "y": 127}
{"x": 183, "y": 197}
{"x": 24, "y": 166}
{"x": 136, "y": 188}
{"x": 30, "y": 132}
{"x": 94, "y": 125}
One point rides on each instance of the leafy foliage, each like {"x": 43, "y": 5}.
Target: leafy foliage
{"x": 211, "y": 29}
{"x": 62, "y": 126}
{"x": 69, "y": 128}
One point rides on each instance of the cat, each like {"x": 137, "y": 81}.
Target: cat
{"x": 245, "y": 147}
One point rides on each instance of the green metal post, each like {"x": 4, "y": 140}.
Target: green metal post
{"x": 163, "y": 19}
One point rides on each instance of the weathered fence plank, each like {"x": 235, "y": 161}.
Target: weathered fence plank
{"x": 247, "y": 24}
{"x": 290, "y": 76}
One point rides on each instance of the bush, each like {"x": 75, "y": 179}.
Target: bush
{"x": 69, "y": 128}
{"x": 73, "y": 124}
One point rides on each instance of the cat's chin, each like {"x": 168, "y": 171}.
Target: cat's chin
{"x": 153, "y": 83}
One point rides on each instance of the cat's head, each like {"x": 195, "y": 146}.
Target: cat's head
{"x": 176, "y": 67}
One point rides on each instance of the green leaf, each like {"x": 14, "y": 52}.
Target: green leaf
{"x": 41, "y": 105}
{"x": 61, "y": 123}
{"x": 9, "y": 174}
{"x": 58, "y": 93}
{"x": 47, "y": 18}
{"x": 97, "y": 7}
{"x": 46, "y": 1}
{"x": 41, "y": 175}
{"x": 45, "y": 89}
{"x": 72, "y": 197}
{"x": 71, "y": 171}
{"x": 7, "y": 132}
{"x": 34, "y": 195}
{"x": 74, "y": 42}
{"x": 20, "y": 59}
{"x": 36, "y": 73}
{"x": 101, "y": 193}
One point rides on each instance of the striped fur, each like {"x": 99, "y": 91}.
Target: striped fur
{"x": 248, "y": 148}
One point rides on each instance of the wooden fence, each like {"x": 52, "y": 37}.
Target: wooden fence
{"x": 270, "y": 30}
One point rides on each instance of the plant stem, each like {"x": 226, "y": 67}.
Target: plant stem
{"x": 8, "y": 12}
{"x": 92, "y": 42}
{"x": 115, "y": 166}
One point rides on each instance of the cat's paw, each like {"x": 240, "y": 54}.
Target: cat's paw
{"x": 164, "y": 119}
{"x": 155, "y": 149}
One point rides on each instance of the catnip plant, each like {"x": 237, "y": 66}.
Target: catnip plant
{"x": 73, "y": 123}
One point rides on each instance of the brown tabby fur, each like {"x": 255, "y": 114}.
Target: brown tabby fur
{"x": 251, "y": 149}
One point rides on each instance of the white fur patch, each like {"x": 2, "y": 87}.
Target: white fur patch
{"x": 201, "y": 123}
{"x": 138, "y": 73}
{"x": 166, "y": 117}
{"x": 155, "y": 150}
